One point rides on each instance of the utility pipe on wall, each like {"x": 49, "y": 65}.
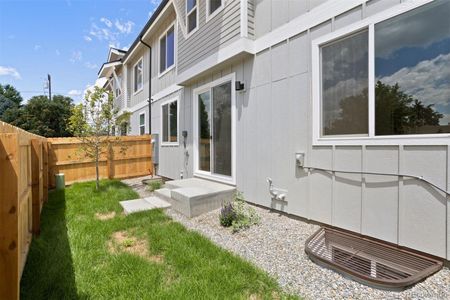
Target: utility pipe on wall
{"x": 149, "y": 85}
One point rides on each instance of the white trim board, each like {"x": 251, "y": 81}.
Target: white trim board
{"x": 137, "y": 107}
{"x": 166, "y": 92}
{"x": 244, "y": 18}
{"x": 240, "y": 46}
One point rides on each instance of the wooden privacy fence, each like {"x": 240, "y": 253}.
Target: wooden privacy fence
{"x": 65, "y": 157}
{"x": 23, "y": 190}
{"x": 28, "y": 163}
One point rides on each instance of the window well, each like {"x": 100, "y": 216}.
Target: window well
{"x": 369, "y": 261}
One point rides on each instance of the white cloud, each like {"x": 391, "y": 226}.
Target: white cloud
{"x": 109, "y": 31}
{"x": 125, "y": 27}
{"x": 428, "y": 81}
{"x": 154, "y": 4}
{"x": 74, "y": 93}
{"x": 413, "y": 29}
{"x": 37, "y": 47}
{"x": 90, "y": 65}
{"x": 11, "y": 37}
{"x": 76, "y": 56}
{"x": 106, "y": 21}
{"x": 57, "y": 52}
{"x": 9, "y": 71}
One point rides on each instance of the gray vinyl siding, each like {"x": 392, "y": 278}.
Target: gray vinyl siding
{"x": 251, "y": 18}
{"x": 134, "y": 99}
{"x": 171, "y": 157}
{"x": 218, "y": 32}
{"x": 159, "y": 83}
{"x": 274, "y": 121}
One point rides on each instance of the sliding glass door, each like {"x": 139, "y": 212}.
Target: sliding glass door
{"x": 214, "y": 119}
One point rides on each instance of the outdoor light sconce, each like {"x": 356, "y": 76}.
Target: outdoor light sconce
{"x": 239, "y": 86}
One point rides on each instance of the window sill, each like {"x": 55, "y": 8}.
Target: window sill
{"x": 215, "y": 13}
{"x": 393, "y": 140}
{"x": 166, "y": 71}
{"x": 218, "y": 178}
{"x": 171, "y": 144}
{"x": 188, "y": 35}
{"x": 138, "y": 91}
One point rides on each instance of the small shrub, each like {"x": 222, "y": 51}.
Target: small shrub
{"x": 154, "y": 185}
{"x": 238, "y": 215}
{"x": 227, "y": 215}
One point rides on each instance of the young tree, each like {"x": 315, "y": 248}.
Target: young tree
{"x": 92, "y": 122}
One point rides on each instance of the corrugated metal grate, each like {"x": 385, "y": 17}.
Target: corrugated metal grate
{"x": 368, "y": 261}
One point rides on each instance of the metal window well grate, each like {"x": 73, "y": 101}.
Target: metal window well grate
{"x": 368, "y": 261}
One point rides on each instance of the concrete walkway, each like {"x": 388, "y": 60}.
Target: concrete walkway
{"x": 147, "y": 201}
{"x": 143, "y": 204}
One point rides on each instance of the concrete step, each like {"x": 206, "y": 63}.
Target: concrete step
{"x": 163, "y": 193}
{"x": 193, "y": 197}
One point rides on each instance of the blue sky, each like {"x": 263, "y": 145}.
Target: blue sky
{"x": 68, "y": 39}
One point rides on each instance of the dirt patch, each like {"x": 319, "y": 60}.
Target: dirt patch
{"x": 123, "y": 241}
{"x": 105, "y": 216}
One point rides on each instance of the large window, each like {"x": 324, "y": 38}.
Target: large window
{"x": 344, "y": 86}
{"x": 412, "y": 72}
{"x": 191, "y": 15}
{"x": 169, "y": 112}
{"x": 391, "y": 77}
{"x": 138, "y": 76}
{"x": 167, "y": 50}
{"x": 142, "y": 123}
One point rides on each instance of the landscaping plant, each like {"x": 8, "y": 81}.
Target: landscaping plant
{"x": 237, "y": 214}
{"x": 154, "y": 185}
{"x": 93, "y": 122}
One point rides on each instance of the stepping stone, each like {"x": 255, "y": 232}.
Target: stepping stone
{"x": 157, "y": 202}
{"x": 137, "y": 205}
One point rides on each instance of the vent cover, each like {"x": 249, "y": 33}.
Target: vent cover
{"x": 368, "y": 261}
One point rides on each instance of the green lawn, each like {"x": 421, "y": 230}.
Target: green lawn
{"x": 77, "y": 257}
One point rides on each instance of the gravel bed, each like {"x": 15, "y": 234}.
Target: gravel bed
{"x": 276, "y": 245}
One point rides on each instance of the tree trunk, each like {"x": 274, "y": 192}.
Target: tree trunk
{"x": 97, "y": 182}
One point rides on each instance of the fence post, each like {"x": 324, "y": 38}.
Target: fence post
{"x": 45, "y": 169}
{"x": 110, "y": 161}
{"x": 36, "y": 182}
{"x": 9, "y": 210}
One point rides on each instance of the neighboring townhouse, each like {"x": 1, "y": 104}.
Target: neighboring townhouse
{"x": 297, "y": 91}
{"x": 112, "y": 70}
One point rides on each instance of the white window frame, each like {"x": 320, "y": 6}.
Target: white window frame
{"x": 196, "y": 92}
{"x": 160, "y": 74}
{"x": 134, "y": 76}
{"x": 217, "y": 11}
{"x": 168, "y": 102}
{"x": 145, "y": 119}
{"x": 187, "y": 15}
{"x": 371, "y": 138}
